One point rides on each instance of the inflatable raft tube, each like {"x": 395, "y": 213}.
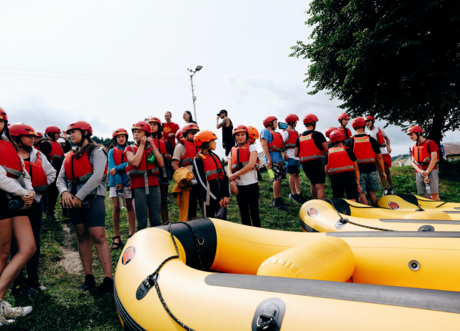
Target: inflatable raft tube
{"x": 214, "y": 282}
{"x": 338, "y": 215}
{"x": 411, "y": 202}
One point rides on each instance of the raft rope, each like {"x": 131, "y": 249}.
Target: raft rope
{"x": 153, "y": 278}
{"x": 346, "y": 220}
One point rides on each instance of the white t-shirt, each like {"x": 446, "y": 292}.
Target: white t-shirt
{"x": 373, "y": 134}
{"x": 291, "y": 151}
{"x": 251, "y": 176}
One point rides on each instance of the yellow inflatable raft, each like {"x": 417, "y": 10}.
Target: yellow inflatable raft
{"x": 411, "y": 202}
{"x": 338, "y": 215}
{"x": 218, "y": 275}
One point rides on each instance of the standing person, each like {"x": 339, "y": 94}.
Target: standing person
{"x": 311, "y": 147}
{"x": 341, "y": 166}
{"x": 290, "y": 137}
{"x": 164, "y": 175}
{"x": 37, "y": 137}
{"x": 144, "y": 161}
{"x": 343, "y": 120}
{"x": 273, "y": 146}
{"x": 210, "y": 174}
{"x": 328, "y": 134}
{"x": 425, "y": 156}
{"x": 42, "y": 174}
{"x": 385, "y": 149}
{"x": 253, "y": 135}
{"x": 119, "y": 183}
{"x": 170, "y": 129}
{"x": 54, "y": 151}
{"x": 367, "y": 152}
{"x": 228, "y": 141}
{"x": 85, "y": 171}
{"x": 242, "y": 174}
{"x": 183, "y": 156}
{"x": 15, "y": 184}
{"x": 187, "y": 116}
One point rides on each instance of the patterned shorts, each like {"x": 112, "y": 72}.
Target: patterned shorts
{"x": 279, "y": 168}
{"x": 369, "y": 181}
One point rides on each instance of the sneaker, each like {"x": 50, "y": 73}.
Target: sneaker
{"x": 50, "y": 216}
{"x": 10, "y": 312}
{"x": 300, "y": 198}
{"x": 385, "y": 192}
{"x": 89, "y": 283}
{"x": 294, "y": 197}
{"x": 391, "y": 191}
{"x": 22, "y": 289}
{"x": 34, "y": 284}
{"x": 105, "y": 287}
{"x": 280, "y": 205}
{"x": 3, "y": 320}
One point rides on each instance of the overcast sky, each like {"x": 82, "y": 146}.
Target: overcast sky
{"x": 113, "y": 63}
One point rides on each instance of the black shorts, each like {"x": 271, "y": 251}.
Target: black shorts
{"x": 92, "y": 217}
{"x": 315, "y": 175}
{"x": 6, "y": 212}
{"x": 350, "y": 189}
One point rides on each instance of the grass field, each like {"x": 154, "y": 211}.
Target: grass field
{"x": 64, "y": 307}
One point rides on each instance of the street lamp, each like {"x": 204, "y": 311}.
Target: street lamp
{"x": 198, "y": 68}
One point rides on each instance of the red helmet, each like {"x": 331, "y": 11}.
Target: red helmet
{"x": 155, "y": 120}
{"x": 39, "y": 134}
{"x": 369, "y": 118}
{"x": 21, "y": 129}
{"x": 415, "y": 129}
{"x": 358, "y": 122}
{"x": 3, "y": 114}
{"x": 309, "y": 119}
{"x": 80, "y": 125}
{"x": 52, "y": 129}
{"x": 291, "y": 118}
{"x": 329, "y": 131}
{"x": 204, "y": 137}
{"x": 253, "y": 133}
{"x": 240, "y": 128}
{"x": 269, "y": 119}
{"x": 343, "y": 116}
{"x": 190, "y": 126}
{"x": 142, "y": 125}
{"x": 337, "y": 136}
{"x": 179, "y": 135}
{"x": 120, "y": 131}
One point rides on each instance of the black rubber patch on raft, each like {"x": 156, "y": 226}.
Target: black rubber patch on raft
{"x": 305, "y": 226}
{"x": 207, "y": 238}
{"x": 385, "y": 295}
{"x": 129, "y": 323}
{"x": 396, "y": 234}
{"x": 403, "y": 220}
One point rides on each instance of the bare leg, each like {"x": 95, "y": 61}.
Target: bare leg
{"x": 22, "y": 232}
{"x": 292, "y": 180}
{"x": 383, "y": 181}
{"x": 373, "y": 198}
{"x": 321, "y": 193}
{"x": 277, "y": 189}
{"x": 131, "y": 216}
{"x": 97, "y": 234}
{"x": 164, "y": 203}
{"x": 5, "y": 242}
{"x": 116, "y": 218}
{"x": 314, "y": 193}
{"x": 363, "y": 199}
{"x": 84, "y": 248}
{"x": 389, "y": 178}
{"x": 297, "y": 183}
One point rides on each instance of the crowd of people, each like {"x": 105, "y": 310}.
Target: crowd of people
{"x": 36, "y": 170}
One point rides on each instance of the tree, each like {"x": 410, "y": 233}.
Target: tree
{"x": 398, "y": 60}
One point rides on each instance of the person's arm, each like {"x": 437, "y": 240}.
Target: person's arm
{"x": 434, "y": 160}
{"x": 231, "y": 177}
{"x": 324, "y": 145}
{"x": 388, "y": 143}
{"x": 381, "y": 165}
{"x": 297, "y": 147}
{"x": 158, "y": 157}
{"x": 221, "y": 124}
{"x": 45, "y": 147}
{"x": 198, "y": 170}
{"x": 99, "y": 162}
{"x": 48, "y": 169}
{"x": 248, "y": 167}
{"x": 355, "y": 164}
{"x": 61, "y": 182}
{"x": 135, "y": 160}
{"x": 267, "y": 153}
{"x": 67, "y": 147}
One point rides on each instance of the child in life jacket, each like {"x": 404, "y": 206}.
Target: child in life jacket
{"x": 242, "y": 174}
{"x": 290, "y": 137}
{"x": 15, "y": 191}
{"x": 183, "y": 156}
{"x": 341, "y": 166}
{"x": 119, "y": 183}
{"x": 82, "y": 183}
{"x": 42, "y": 175}
{"x": 425, "y": 156}
{"x": 144, "y": 161}
{"x": 210, "y": 174}
{"x": 165, "y": 149}
{"x": 253, "y": 135}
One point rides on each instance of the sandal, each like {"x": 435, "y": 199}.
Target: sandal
{"x": 115, "y": 245}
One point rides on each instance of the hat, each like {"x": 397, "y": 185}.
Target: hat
{"x": 223, "y": 111}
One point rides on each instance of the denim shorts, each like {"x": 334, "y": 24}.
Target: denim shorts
{"x": 293, "y": 166}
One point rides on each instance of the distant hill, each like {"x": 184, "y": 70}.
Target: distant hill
{"x": 399, "y": 157}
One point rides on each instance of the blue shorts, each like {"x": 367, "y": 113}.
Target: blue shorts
{"x": 293, "y": 166}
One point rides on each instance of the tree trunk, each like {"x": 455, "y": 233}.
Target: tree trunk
{"x": 436, "y": 132}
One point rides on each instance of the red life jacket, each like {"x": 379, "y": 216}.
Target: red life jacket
{"x": 37, "y": 174}
{"x": 57, "y": 153}
{"x": 290, "y": 143}
{"x": 338, "y": 161}
{"x": 240, "y": 156}
{"x": 308, "y": 150}
{"x": 422, "y": 156}
{"x": 363, "y": 150}
{"x": 277, "y": 144}
{"x": 9, "y": 159}
{"x": 347, "y": 133}
{"x": 118, "y": 156}
{"x": 190, "y": 152}
{"x": 212, "y": 167}
{"x": 381, "y": 139}
{"x": 151, "y": 169}
{"x": 79, "y": 170}
{"x": 160, "y": 144}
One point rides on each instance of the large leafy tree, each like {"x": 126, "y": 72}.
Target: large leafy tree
{"x": 398, "y": 60}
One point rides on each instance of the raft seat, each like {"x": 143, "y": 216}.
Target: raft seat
{"x": 327, "y": 258}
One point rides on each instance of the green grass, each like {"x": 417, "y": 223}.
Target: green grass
{"x": 64, "y": 307}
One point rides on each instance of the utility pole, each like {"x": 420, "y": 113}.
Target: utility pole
{"x": 198, "y": 68}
